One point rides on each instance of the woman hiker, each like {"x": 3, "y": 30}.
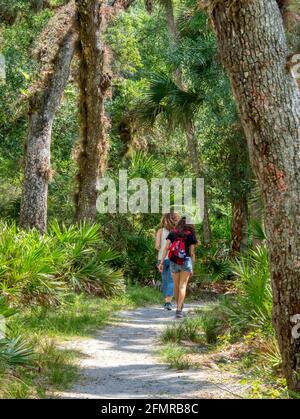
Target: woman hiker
{"x": 167, "y": 224}
{"x": 180, "y": 248}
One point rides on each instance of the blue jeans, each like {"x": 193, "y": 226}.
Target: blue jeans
{"x": 167, "y": 280}
{"x": 186, "y": 267}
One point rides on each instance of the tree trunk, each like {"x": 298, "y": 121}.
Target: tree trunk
{"x": 94, "y": 82}
{"x": 42, "y": 107}
{"x": 253, "y": 49}
{"x": 190, "y": 128}
{"x": 169, "y": 10}
{"x": 37, "y": 5}
{"x": 239, "y": 226}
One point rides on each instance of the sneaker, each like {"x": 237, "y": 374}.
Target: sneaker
{"x": 168, "y": 306}
{"x": 179, "y": 314}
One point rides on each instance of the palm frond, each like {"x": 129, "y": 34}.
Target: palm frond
{"x": 258, "y": 230}
{"x": 165, "y": 98}
{"x": 252, "y": 308}
{"x": 145, "y": 166}
{"x": 15, "y": 351}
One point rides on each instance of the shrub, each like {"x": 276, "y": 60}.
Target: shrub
{"x": 252, "y": 308}
{"x": 134, "y": 240}
{"x": 212, "y": 326}
{"x": 14, "y": 350}
{"x": 28, "y": 264}
{"x": 175, "y": 356}
{"x": 213, "y": 264}
{"x": 189, "y": 329}
{"x": 40, "y": 270}
{"x": 86, "y": 260}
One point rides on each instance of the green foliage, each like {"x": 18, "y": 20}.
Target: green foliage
{"x": 85, "y": 260}
{"x": 165, "y": 98}
{"x": 175, "y": 356}
{"x": 145, "y": 166}
{"x": 217, "y": 265}
{"x": 213, "y": 264}
{"x": 27, "y": 267}
{"x": 189, "y": 329}
{"x": 18, "y": 34}
{"x": 206, "y": 326}
{"x": 81, "y": 314}
{"x": 32, "y": 376}
{"x": 258, "y": 231}
{"x": 49, "y": 367}
{"x": 37, "y": 270}
{"x": 15, "y": 351}
{"x": 56, "y": 365}
{"x": 132, "y": 235}
{"x": 43, "y": 272}
{"x": 9, "y": 11}
{"x": 134, "y": 241}
{"x": 252, "y": 308}
{"x": 212, "y": 326}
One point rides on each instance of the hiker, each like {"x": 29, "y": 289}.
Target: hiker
{"x": 180, "y": 248}
{"x": 167, "y": 224}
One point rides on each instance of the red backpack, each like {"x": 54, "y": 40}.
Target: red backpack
{"x": 177, "y": 252}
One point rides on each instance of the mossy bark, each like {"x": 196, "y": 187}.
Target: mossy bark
{"x": 42, "y": 108}
{"x": 253, "y": 49}
{"x": 239, "y": 226}
{"x": 94, "y": 82}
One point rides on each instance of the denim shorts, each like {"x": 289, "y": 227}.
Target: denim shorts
{"x": 186, "y": 267}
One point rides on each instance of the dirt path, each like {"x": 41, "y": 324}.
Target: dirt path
{"x": 120, "y": 362}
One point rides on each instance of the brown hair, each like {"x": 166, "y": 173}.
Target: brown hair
{"x": 182, "y": 227}
{"x": 170, "y": 220}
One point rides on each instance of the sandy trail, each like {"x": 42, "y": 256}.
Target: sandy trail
{"x": 120, "y": 362}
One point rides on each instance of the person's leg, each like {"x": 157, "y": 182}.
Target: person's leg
{"x": 169, "y": 281}
{"x": 176, "y": 279}
{"x": 168, "y": 288}
{"x": 164, "y": 284}
{"x": 183, "y": 281}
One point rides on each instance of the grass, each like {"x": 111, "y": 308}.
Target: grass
{"x": 189, "y": 329}
{"x": 81, "y": 315}
{"x": 175, "y": 356}
{"x": 182, "y": 339}
{"x": 194, "y": 341}
{"x": 55, "y": 369}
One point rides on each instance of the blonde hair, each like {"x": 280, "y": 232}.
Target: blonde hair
{"x": 169, "y": 220}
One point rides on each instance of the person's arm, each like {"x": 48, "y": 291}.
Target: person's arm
{"x": 158, "y": 239}
{"x": 165, "y": 252}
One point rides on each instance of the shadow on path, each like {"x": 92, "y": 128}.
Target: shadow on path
{"x": 119, "y": 362}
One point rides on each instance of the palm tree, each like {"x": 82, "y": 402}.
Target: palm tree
{"x": 181, "y": 110}
{"x": 178, "y": 107}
